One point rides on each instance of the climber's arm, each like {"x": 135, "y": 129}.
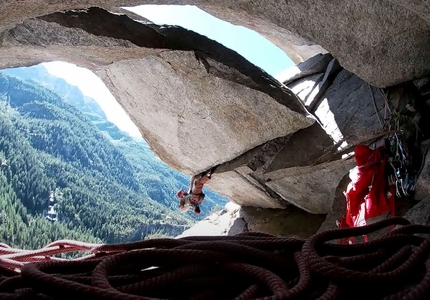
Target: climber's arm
{"x": 193, "y": 178}
{"x": 182, "y": 205}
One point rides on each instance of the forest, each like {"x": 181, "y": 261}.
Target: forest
{"x": 105, "y": 186}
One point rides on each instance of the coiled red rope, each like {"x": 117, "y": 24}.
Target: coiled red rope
{"x": 245, "y": 266}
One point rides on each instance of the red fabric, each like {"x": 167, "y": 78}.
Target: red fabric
{"x": 366, "y": 195}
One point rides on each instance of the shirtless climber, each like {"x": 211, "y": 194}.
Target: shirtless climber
{"x": 194, "y": 197}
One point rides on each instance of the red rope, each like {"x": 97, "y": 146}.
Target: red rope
{"x": 245, "y": 266}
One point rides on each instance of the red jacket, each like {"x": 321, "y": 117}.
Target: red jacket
{"x": 366, "y": 195}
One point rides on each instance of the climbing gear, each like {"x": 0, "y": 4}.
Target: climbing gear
{"x": 400, "y": 146}
{"x": 198, "y": 198}
{"x": 245, "y": 266}
{"x": 400, "y": 160}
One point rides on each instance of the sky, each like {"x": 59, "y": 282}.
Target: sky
{"x": 92, "y": 86}
{"x": 247, "y": 43}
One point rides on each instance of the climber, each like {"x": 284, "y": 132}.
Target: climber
{"x": 185, "y": 202}
{"x": 369, "y": 195}
{"x": 195, "y": 196}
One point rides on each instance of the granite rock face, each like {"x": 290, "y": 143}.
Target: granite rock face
{"x": 420, "y": 213}
{"x": 194, "y": 120}
{"x": 422, "y": 189}
{"x": 233, "y": 219}
{"x": 311, "y": 188}
{"x": 384, "y": 42}
{"x": 199, "y": 104}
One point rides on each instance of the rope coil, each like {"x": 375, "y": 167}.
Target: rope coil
{"x": 245, "y": 266}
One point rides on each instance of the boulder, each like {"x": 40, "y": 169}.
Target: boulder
{"x": 420, "y": 213}
{"x": 199, "y": 104}
{"x": 422, "y": 188}
{"x": 420, "y": 7}
{"x": 290, "y": 222}
{"x": 238, "y": 226}
{"x": 333, "y": 69}
{"x": 291, "y": 153}
{"x": 338, "y": 208}
{"x": 304, "y": 86}
{"x": 194, "y": 120}
{"x": 35, "y": 41}
{"x": 224, "y": 222}
{"x": 384, "y": 42}
{"x": 310, "y": 188}
{"x": 240, "y": 190}
{"x": 350, "y": 108}
{"x": 311, "y": 66}
{"x": 232, "y": 220}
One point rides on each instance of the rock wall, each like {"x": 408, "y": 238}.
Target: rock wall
{"x": 193, "y": 119}
{"x": 277, "y": 142}
{"x": 384, "y": 42}
{"x": 304, "y": 168}
{"x": 233, "y": 219}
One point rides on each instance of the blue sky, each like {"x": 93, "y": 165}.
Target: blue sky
{"x": 247, "y": 43}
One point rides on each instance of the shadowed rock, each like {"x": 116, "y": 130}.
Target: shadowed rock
{"x": 199, "y": 104}
{"x": 192, "y": 119}
{"x": 383, "y": 42}
{"x": 310, "y": 188}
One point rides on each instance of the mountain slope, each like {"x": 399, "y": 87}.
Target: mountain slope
{"x": 156, "y": 178}
{"x": 47, "y": 145}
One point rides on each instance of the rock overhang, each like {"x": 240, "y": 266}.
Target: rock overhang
{"x": 215, "y": 96}
{"x": 382, "y": 42}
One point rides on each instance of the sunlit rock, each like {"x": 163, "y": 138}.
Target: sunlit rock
{"x": 310, "y": 188}
{"x": 383, "y": 42}
{"x": 194, "y": 120}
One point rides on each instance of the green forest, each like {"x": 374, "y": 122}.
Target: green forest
{"x": 105, "y": 186}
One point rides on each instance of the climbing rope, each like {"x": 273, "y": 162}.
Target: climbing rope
{"x": 246, "y": 266}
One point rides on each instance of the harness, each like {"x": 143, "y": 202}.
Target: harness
{"x": 197, "y": 198}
